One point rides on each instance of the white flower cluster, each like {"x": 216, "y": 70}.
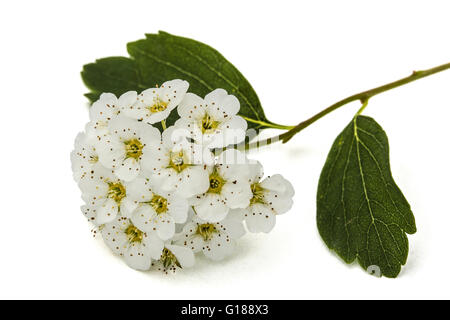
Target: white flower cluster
{"x": 159, "y": 198}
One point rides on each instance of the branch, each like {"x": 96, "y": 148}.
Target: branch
{"x": 362, "y": 96}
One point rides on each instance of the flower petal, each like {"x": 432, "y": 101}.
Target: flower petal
{"x": 137, "y": 257}
{"x": 280, "y": 203}
{"x": 233, "y": 227}
{"x": 173, "y": 92}
{"x": 178, "y": 208}
{"x": 195, "y": 180}
{"x": 164, "y": 226}
{"x": 149, "y": 135}
{"x": 278, "y": 184}
{"x": 127, "y": 99}
{"x": 110, "y": 151}
{"x": 127, "y": 207}
{"x": 154, "y": 245}
{"x": 230, "y": 131}
{"x": 192, "y": 107}
{"x": 139, "y": 189}
{"x": 218, "y": 248}
{"x": 114, "y": 238}
{"x": 107, "y": 212}
{"x": 155, "y": 158}
{"x": 128, "y": 170}
{"x": 237, "y": 194}
{"x": 260, "y": 219}
{"x": 104, "y": 108}
{"x": 221, "y": 105}
{"x": 255, "y": 172}
{"x": 143, "y": 216}
{"x": 211, "y": 208}
{"x": 195, "y": 243}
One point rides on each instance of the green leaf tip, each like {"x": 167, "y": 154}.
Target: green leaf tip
{"x": 361, "y": 213}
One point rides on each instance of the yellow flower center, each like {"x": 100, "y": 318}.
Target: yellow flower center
{"x": 178, "y": 161}
{"x": 93, "y": 159}
{"x": 159, "y": 204}
{"x": 116, "y": 191}
{"x": 258, "y": 194}
{"x": 168, "y": 259}
{"x": 208, "y": 125}
{"x": 206, "y": 231}
{"x": 158, "y": 106}
{"x": 133, "y": 148}
{"x": 134, "y": 234}
{"x": 216, "y": 182}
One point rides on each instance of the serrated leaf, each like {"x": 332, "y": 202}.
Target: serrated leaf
{"x": 361, "y": 212}
{"x": 114, "y": 74}
{"x": 161, "y": 57}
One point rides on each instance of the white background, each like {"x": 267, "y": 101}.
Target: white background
{"x": 300, "y": 56}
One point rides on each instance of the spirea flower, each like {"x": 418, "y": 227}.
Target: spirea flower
{"x": 134, "y": 245}
{"x": 84, "y": 158}
{"x": 215, "y": 239}
{"x": 123, "y": 148}
{"x": 228, "y": 188}
{"x": 178, "y": 164}
{"x": 212, "y": 121}
{"x": 155, "y": 104}
{"x": 104, "y": 194}
{"x": 160, "y": 198}
{"x": 107, "y": 108}
{"x": 270, "y": 197}
{"x": 173, "y": 257}
{"x": 155, "y": 210}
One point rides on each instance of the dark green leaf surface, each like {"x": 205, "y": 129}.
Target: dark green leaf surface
{"x": 361, "y": 213}
{"x": 114, "y": 74}
{"x": 161, "y": 57}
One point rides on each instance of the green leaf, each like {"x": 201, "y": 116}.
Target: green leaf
{"x": 161, "y": 57}
{"x": 361, "y": 213}
{"x": 114, "y": 74}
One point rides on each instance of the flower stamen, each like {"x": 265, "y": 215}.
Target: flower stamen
{"x": 159, "y": 204}
{"x": 116, "y": 191}
{"x": 134, "y": 234}
{"x": 178, "y": 161}
{"x": 93, "y": 159}
{"x": 216, "y": 183}
{"x": 168, "y": 259}
{"x": 206, "y": 231}
{"x": 258, "y": 194}
{"x": 208, "y": 125}
{"x": 133, "y": 149}
{"x": 158, "y": 106}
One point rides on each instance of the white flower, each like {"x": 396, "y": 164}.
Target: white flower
{"x": 105, "y": 196}
{"x": 228, "y": 187}
{"x": 84, "y": 158}
{"x": 213, "y": 121}
{"x": 215, "y": 239}
{"x": 178, "y": 165}
{"x": 174, "y": 256}
{"x": 123, "y": 148}
{"x": 159, "y": 198}
{"x": 154, "y": 209}
{"x": 270, "y": 197}
{"x": 136, "y": 246}
{"x": 155, "y": 104}
{"x": 107, "y": 108}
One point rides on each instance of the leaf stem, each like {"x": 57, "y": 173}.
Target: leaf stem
{"x": 268, "y": 124}
{"x": 362, "y": 96}
{"x": 364, "y": 105}
{"x": 163, "y": 124}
